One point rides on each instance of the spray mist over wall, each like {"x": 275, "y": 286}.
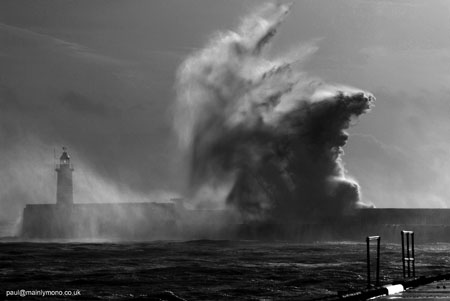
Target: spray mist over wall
{"x": 262, "y": 136}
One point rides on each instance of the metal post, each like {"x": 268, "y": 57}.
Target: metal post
{"x": 403, "y": 253}
{"x": 368, "y": 261}
{"x": 378, "y": 261}
{"x": 412, "y": 255}
{"x": 407, "y": 254}
{"x": 368, "y": 239}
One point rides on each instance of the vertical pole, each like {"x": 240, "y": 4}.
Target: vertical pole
{"x": 378, "y": 261}
{"x": 407, "y": 254}
{"x": 368, "y": 262}
{"x": 403, "y": 253}
{"x": 412, "y": 255}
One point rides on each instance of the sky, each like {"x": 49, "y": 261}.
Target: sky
{"x": 98, "y": 77}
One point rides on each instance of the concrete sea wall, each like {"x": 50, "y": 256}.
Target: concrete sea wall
{"x": 152, "y": 221}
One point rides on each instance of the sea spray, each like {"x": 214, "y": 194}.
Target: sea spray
{"x": 261, "y": 135}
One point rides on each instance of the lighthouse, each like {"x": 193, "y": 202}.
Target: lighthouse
{"x": 64, "y": 189}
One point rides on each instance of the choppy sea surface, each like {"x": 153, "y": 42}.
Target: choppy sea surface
{"x": 202, "y": 269}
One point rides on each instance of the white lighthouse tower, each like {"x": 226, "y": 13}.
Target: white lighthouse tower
{"x": 64, "y": 189}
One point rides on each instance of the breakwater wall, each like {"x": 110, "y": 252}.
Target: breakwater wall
{"x": 152, "y": 221}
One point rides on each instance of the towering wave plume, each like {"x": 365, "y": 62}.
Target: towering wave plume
{"x": 261, "y": 135}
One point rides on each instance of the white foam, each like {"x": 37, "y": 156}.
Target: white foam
{"x": 394, "y": 289}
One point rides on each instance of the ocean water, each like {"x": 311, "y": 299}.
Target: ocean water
{"x": 202, "y": 269}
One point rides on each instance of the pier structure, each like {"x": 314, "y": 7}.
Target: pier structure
{"x": 72, "y": 218}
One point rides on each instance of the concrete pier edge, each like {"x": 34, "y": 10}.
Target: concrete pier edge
{"x": 389, "y": 289}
